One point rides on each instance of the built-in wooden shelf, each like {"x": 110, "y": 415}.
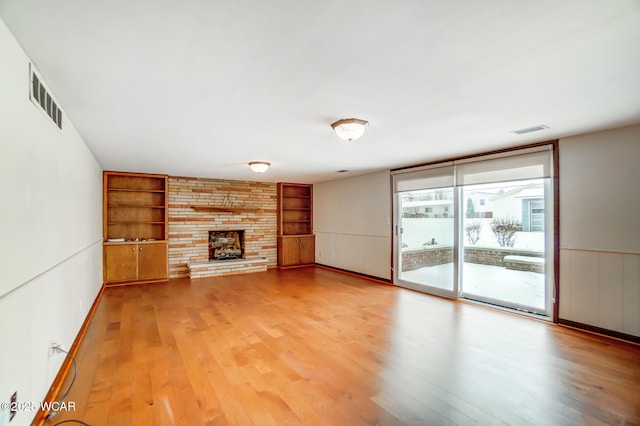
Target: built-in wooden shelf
{"x": 133, "y": 206}
{"x": 135, "y": 190}
{"x": 296, "y": 242}
{"x": 223, "y": 209}
{"x": 135, "y": 210}
{"x": 115, "y": 222}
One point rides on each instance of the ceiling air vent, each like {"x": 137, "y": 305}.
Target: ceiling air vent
{"x": 41, "y": 96}
{"x": 530, "y": 129}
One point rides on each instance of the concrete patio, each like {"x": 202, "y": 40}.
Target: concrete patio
{"x": 486, "y": 281}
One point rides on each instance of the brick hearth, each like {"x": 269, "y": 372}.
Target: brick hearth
{"x": 226, "y": 267}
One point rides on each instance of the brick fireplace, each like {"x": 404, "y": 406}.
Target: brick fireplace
{"x": 225, "y": 245}
{"x": 189, "y": 239}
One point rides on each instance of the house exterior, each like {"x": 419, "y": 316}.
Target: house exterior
{"x": 428, "y": 209}
{"x": 524, "y": 203}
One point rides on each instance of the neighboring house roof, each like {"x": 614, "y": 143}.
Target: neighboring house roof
{"x": 526, "y": 191}
{"x": 531, "y": 193}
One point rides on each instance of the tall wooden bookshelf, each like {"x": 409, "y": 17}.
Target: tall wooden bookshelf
{"x": 296, "y": 242}
{"x": 135, "y": 227}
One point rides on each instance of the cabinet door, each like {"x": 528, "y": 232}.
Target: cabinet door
{"x": 120, "y": 263}
{"x": 307, "y": 246}
{"x": 289, "y": 251}
{"x": 152, "y": 261}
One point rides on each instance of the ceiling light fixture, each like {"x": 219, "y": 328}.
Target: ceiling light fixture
{"x": 350, "y": 129}
{"x": 259, "y": 166}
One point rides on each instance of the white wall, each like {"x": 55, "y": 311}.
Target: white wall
{"x": 352, "y": 223}
{"x": 600, "y": 229}
{"x": 50, "y": 234}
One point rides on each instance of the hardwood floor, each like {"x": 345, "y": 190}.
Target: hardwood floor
{"x": 318, "y": 347}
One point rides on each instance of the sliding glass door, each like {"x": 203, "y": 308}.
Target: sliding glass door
{"x": 426, "y": 236}
{"x": 504, "y": 244}
{"x": 479, "y": 229}
{"x": 425, "y": 206}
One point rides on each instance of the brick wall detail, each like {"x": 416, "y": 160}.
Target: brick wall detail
{"x": 495, "y": 255}
{"x": 420, "y": 258}
{"x": 189, "y": 230}
{"x": 432, "y": 256}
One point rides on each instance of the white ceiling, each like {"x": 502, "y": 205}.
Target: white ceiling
{"x": 202, "y": 87}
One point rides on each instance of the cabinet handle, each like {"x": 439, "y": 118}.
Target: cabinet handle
{"x": 133, "y": 249}
{"x": 140, "y": 248}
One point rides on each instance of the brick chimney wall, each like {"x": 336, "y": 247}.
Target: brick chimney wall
{"x": 189, "y": 229}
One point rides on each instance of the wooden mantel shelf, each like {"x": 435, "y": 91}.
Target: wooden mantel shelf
{"x": 226, "y": 209}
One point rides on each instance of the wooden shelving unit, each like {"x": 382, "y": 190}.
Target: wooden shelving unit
{"x": 295, "y": 209}
{"x": 135, "y": 227}
{"x": 296, "y": 242}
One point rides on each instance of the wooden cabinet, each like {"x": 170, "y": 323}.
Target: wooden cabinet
{"x": 296, "y": 250}
{"x": 296, "y": 242}
{"x": 152, "y": 261}
{"x": 120, "y": 263}
{"x": 135, "y": 227}
{"x": 126, "y": 262}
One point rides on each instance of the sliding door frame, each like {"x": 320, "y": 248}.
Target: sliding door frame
{"x": 555, "y": 244}
{"x": 397, "y": 264}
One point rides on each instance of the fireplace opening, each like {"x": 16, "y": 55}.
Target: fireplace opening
{"x": 226, "y": 245}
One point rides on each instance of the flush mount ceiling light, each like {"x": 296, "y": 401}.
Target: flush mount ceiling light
{"x": 259, "y": 166}
{"x": 350, "y": 129}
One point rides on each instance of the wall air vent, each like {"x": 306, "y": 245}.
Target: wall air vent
{"x": 530, "y": 129}
{"x": 40, "y": 95}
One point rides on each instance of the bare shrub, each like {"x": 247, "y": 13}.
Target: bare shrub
{"x": 472, "y": 230}
{"x": 505, "y": 230}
